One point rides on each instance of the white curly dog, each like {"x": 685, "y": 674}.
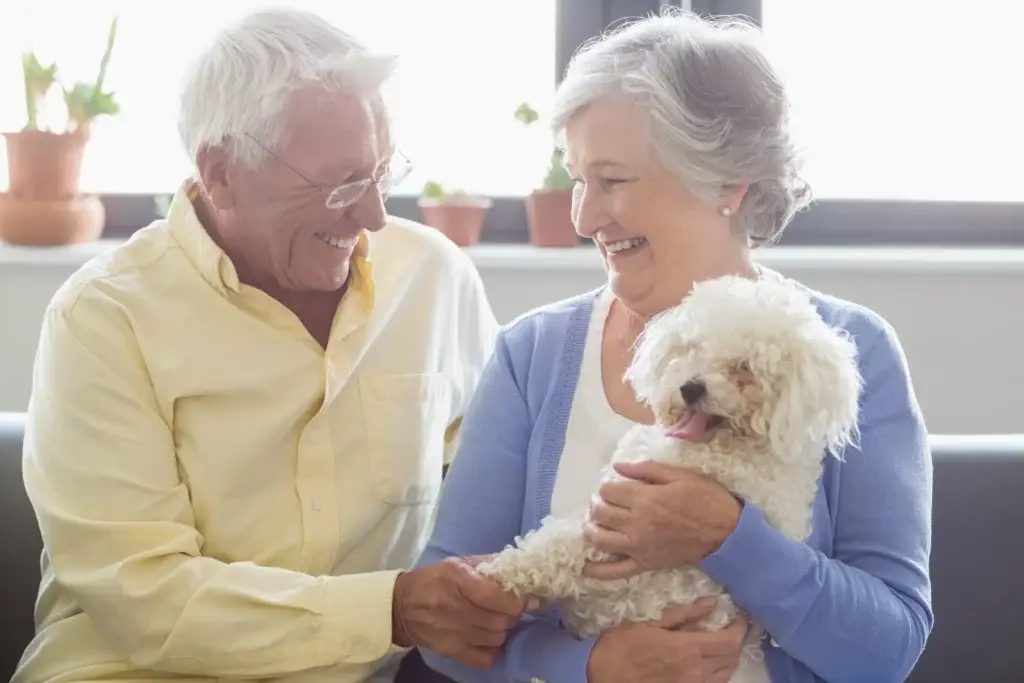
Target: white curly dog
{"x": 749, "y": 386}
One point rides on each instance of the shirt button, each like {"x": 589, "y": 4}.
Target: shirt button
{"x": 317, "y": 505}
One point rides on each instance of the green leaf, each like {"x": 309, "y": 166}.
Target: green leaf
{"x": 38, "y": 81}
{"x": 432, "y": 190}
{"x": 558, "y": 177}
{"x": 103, "y": 104}
{"x": 526, "y": 115}
{"x": 84, "y": 104}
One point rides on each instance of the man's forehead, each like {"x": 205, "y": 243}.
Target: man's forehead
{"x": 338, "y": 131}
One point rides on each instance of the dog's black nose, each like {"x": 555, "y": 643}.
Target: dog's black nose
{"x": 693, "y": 391}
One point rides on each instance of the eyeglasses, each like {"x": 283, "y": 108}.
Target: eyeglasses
{"x": 347, "y": 194}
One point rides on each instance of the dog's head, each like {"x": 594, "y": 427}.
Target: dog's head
{"x": 754, "y": 358}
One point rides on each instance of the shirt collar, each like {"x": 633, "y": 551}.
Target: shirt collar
{"x": 214, "y": 265}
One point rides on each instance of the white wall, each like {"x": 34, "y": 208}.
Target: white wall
{"x": 959, "y": 313}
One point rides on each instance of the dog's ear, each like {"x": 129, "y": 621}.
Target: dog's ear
{"x": 818, "y": 404}
{"x": 653, "y": 352}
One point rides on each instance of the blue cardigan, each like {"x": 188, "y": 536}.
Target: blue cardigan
{"x": 851, "y": 605}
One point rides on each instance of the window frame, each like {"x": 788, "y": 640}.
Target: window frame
{"x": 827, "y": 222}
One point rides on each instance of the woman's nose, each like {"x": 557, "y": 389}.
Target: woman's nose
{"x": 586, "y": 214}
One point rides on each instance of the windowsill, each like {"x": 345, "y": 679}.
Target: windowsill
{"x": 902, "y": 259}
{"x": 526, "y": 257}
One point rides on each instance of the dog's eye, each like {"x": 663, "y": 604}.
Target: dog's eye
{"x": 744, "y": 366}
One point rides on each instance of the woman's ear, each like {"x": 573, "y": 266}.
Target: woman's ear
{"x": 732, "y": 197}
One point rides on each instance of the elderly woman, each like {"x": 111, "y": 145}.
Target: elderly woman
{"x": 676, "y": 134}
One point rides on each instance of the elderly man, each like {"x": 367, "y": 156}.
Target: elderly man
{"x": 240, "y": 417}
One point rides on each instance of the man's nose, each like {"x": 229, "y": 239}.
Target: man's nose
{"x": 369, "y": 210}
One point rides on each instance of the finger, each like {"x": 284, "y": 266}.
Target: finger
{"x": 616, "y": 569}
{"x": 535, "y": 604}
{"x": 651, "y": 472}
{"x": 723, "y": 643}
{"x": 621, "y": 493}
{"x": 475, "y": 561}
{"x": 721, "y": 670}
{"x": 607, "y": 540}
{"x": 488, "y": 595}
{"x": 738, "y": 627}
{"x": 676, "y": 616}
{"x": 608, "y": 515}
{"x": 478, "y": 619}
{"x": 484, "y": 637}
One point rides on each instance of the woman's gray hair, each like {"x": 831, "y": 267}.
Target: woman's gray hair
{"x": 719, "y": 112}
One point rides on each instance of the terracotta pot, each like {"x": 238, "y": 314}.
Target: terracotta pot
{"x": 44, "y": 165}
{"x": 460, "y": 220}
{"x": 50, "y": 222}
{"x": 549, "y": 219}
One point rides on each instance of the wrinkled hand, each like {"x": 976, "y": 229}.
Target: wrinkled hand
{"x": 661, "y": 517}
{"x": 455, "y": 611}
{"x": 669, "y": 650}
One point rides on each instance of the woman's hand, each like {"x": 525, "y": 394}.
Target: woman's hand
{"x": 661, "y": 517}
{"x": 668, "y": 650}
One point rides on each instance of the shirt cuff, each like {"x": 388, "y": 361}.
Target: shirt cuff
{"x": 754, "y": 550}
{"x": 547, "y": 653}
{"x": 356, "y": 623}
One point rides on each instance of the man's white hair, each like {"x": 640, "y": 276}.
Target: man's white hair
{"x": 718, "y": 111}
{"x": 237, "y": 91}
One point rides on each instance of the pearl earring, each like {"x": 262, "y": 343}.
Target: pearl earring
{"x": 726, "y": 211}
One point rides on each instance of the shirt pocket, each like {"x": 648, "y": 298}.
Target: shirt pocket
{"x": 406, "y": 417}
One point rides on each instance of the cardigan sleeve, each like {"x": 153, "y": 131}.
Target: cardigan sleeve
{"x": 864, "y": 613}
{"x": 480, "y": 512}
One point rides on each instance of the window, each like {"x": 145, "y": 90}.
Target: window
{"x": 465, "y": 66}
{"x": 904, "y": 99}
{"x": 908, "y": 110}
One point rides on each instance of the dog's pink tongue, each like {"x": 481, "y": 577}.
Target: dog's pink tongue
{"x": 690, "y": 426}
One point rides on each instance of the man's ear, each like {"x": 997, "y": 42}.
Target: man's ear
{"x": 213, "y": 165}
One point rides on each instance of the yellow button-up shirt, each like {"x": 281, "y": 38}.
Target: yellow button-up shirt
{"x": 219, "y": 496}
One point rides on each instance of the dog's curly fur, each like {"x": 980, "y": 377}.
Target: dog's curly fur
{"x": 782, "y": 388}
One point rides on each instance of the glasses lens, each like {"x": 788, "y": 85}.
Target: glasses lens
{"x": 400, "y": 170}
{"x": 342, "y": 196}
{"x": 386, "y": 183}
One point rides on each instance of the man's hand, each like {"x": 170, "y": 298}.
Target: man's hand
{"x": 453, "y": 610}
{"x": 668, "y": 650}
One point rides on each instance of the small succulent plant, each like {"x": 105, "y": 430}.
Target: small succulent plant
{"x": 557, "y": 176}
{"x": 84, "y": 101}
{"x": 436, "y": 192}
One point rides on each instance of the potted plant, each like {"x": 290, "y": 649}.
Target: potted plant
{"x": 44, "y": 205}
{"x": 549, "y": 207}
{"x": 455, "y": 213}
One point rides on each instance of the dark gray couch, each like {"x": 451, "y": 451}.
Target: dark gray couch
{"x": 977, "y": 560}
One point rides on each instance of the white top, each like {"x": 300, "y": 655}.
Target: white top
{"x": 594, "y": 428}
{"x": 590, "y": 439}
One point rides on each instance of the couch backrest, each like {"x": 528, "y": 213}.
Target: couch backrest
{"x": 977, "y": 561}
{"x": 21, "y": 549}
